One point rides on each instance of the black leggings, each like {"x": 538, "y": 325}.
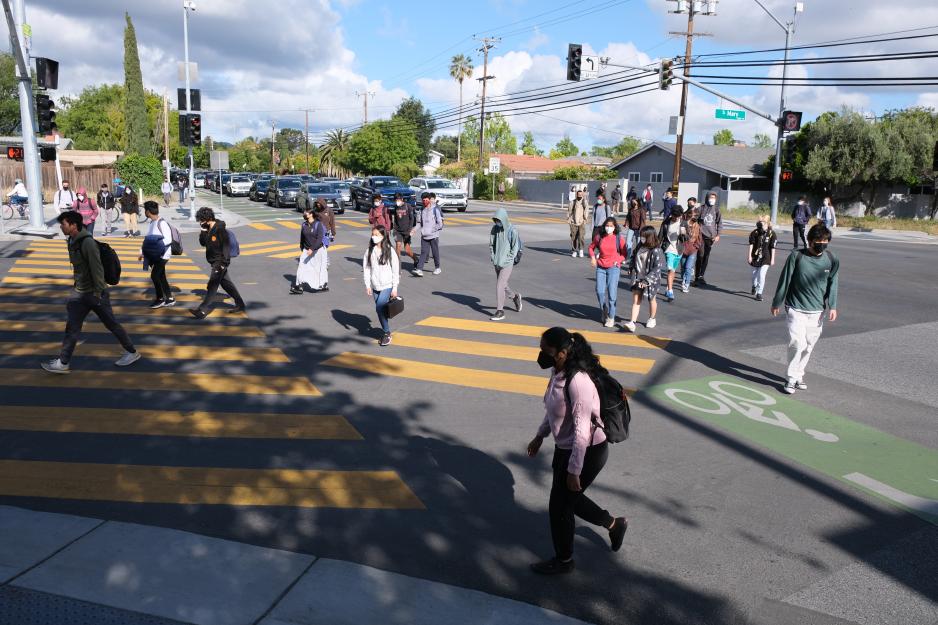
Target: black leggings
{"x": 160, "y": 283}
{"x": 703, "y": 257}
{"x": 565, "y": 504}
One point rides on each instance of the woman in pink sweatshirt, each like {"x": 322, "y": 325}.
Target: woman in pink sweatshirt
{"x": 580, "y": 452}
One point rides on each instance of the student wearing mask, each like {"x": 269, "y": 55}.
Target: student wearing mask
{"x": 64, "y": 198}
{"x": 313, "y": 266}
{"x": 167, "y": 190}
{"x": 672, "y": 235}
{"x": 215, "y": 239}
{"x": 635, "y": 220}
{"x": 382, "y": 274}
{"x": 404, "y": 218}
{"x": 430, "y": 222}
{"x": 645, "y": 273}
{"x": 129, "y": 209}
{"x": 826, "y": 214}
{"x": 600, "y": 214}
{"x": 572, "y": 407}
{"x": 157, "y": 249}
{"x": 106, "y": 201}
{"x": 504, "y": 244}
{"x": 667, "y": 203}
{"x": 607, "y": 253}
{"x": 711, "y": 224}
{"x": 88, "y": 210}
{"x": 691, "y": 247}
{"x": 807, "y": 287}
{"x": 800, "y": 216}
{"x": 378, "y": 213}
{"x": 762, "y": 244}
{"x": 577, "y": 214}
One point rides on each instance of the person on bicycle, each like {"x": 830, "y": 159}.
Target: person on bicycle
{"x": 19, "y": 196}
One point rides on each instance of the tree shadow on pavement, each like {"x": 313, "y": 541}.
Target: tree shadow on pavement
{"x": 573, "y": 311}
{"x": 467, "y": 300}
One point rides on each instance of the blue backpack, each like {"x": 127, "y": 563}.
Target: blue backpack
{"x": 234, "y": 250}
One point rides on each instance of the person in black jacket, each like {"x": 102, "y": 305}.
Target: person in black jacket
{"x": 214, "y": 238}
{"x": 313, "y": 266}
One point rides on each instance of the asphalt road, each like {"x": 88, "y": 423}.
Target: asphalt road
{"x": 741, "y": 510}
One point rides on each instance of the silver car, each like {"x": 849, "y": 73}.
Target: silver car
{"x": 448, "y": 195}
{"x": 312, "y": 191}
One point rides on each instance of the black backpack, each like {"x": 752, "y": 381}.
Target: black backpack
{"x": 613, "y": 407}
{"x": 110, "y": 262}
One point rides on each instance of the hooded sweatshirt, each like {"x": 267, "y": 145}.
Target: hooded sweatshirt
{"x": 710, "y": 220}
{"x": 85, "y": 257}
{"x": 431, "y": 222}
{"x": 86, "y": 208}
{"x": 503, "y": 240}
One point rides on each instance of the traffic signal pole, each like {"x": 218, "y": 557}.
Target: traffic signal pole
{"x": 16, "y": 18}
{"x": 777, "y": 178}
{"x": 679, "y": 142}
{"x": 185, "y": 36}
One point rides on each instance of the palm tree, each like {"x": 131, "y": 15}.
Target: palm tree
{"x": 337, "y": 141}
{"x": 460, "y": 68}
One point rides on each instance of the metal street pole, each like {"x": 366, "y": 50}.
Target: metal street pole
{"x": 679, "y": 142}
{"x": 777, "y": 178}
{"x": 185, "y": 35}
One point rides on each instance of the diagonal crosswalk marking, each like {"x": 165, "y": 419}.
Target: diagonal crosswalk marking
{"x": 292, "y": 225}
{"x": 63, "y": 265}
{"x": 163, "y": 381}
{"x": 605, "y": 338}
{"x": 296, "y": 251}
{"x": 353, "y": 223}
{"x": 116, "y": 294}
{"x": 280, "y": 247}
{"x": 139, "y": 310}
{"x": 195, "y": 423}
{"x": 153, "y": 352}
{"x": 300, "y": 488}
{"x": 124, "y": 284}
{"x": 94, "y": 326}
{"x": 261, "y": 226}
{"x": 510, "y": 352}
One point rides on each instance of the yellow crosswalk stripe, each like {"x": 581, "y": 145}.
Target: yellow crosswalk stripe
{"x": 154, "y": 352}
{"x": 196, "y": 423}
{"x": 92, "y": 325}
{"x": 445, "y": 374}
{"x": 163, "y": 381}
{"x": 248, "y": 246}
{"x": 174, "y": 311}
{"x": 124, "y": 284}
{"x": 62, "y": 294}
{"x": 173, "y": 275}
{"x": 64, "y": 265}
{"x": 296, "y": 251}
{"x": 292, "y": 225}
{"x": 532, "y": 220}
{"x": 261, "y": 226}
{"x": 298, "y": 488}
{"x": 274, "y": 248}
{"x": 606, "y": 338}
{"x": 462, "y": 221}
{"x": 352, "y": 223}
{"x": 511, "y": 352}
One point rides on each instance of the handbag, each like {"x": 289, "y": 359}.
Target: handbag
{"x": 395, "y": 306}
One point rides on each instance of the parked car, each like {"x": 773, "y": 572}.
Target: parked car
{"x": 312, "y": 191}
{"x": 344, "y": 189}
{"x": 448, "y": 195}
{"x": 258, "y": 192}
{"x": 210, "y": 178}
{"x": 238, "y": 185}
{"x": 387, "y": 186}
{"x": 199, "y": 180}
{"x": 282, "y": 191}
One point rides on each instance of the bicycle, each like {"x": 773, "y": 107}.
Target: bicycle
{"x": 9, "y": 209}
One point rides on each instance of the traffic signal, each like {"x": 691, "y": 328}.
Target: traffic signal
{"x": 574, "y": 61}
{"x": 195, "y": 129}
{"x": 15, "y": 153}
{"x": 45, "y": 114}
{"x": 791, "y": 121}
{"x": 788, "y": 155}
{"x": 787, "y": 175}
{"x": 665, "y": 74}
{"x": 46, "y": 154}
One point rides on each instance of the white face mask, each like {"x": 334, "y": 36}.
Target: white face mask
{"x": 610, "y": 229}
{"x": 399, "y": 203}
{"x": 377, "y": 239}
{"x": 826, "y": 203}
{"x": 600, "y": 202}
{"x": 711, "y": 201}
{"x": 377, "y": 204}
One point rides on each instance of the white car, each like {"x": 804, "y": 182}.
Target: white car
{"x": 239, "y": 185}
{"x": 199, "y": 180}
{"x": 448, "y": 195}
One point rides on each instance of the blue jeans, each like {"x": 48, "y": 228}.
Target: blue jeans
{"x": 381, "y": 307}
{"x": 689, "y": 262}
{"x": 607, "y": 287}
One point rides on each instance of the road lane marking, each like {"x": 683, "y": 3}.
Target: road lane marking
{"x": 196, "y": 423}
{"x": 163, "y": 329}
{"x": 352, "y": 223}
{"x": 63, "y": 294}
{"x": 280, "y": 247}
{"x": 125, "y": 284}
{"x": 260, "y": 226}
{"x": 174, "y": 311}
{"x": 296, "y": 252}
{"x": 66, "y": 266}
{"x": 607, "y": 338}
{"x": 213, "y": 383}
{"x": 510, "y": 352}
{"x": 292, "y": 225}
{"x": 154, "y": 352}
{"x": 173, "y": 276}
{"x": 296, "y": 488}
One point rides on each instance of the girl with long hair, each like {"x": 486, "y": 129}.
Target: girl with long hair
{"x": 645, "y": 272}
{"x": 382, "y": 273}
{"x": 607, "y": 253}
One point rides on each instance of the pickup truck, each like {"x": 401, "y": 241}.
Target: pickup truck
{"x": 387, "y": 186}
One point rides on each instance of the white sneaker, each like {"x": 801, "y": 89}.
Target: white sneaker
{"x": 437, "y": 271}
{"x": 610, "y": 322}
{"x": 685, "y": 288}
{"x": 581, "y": 253}
{"x": 573, "y": 254}
{"x": 418, "y": 273}
{"x": 629, "y": 325}
{"x": 651, "y": 323}
{"x": 127, "y": 359}
{"x": 55, "y": 366}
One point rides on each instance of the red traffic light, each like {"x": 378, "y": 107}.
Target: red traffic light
{"x": 15, "y": 153}
{"x": 787, "y": 176}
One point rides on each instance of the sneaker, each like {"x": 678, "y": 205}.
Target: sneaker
{"x": 136, "y": 233}
{"x": 56, "y": 366}
{"x": 554, "y": 566}
{"x": 296, "y": 290}
{"x": 385, "y": 340}
{"x": 581, "y": 253}
{"x": 157, "y": 303}
{"x": 127, "y": 359}
{"x": 701, "y": 281}
{"x": 651, "y": 323}
{"x": 629, "y": 325}
{"x": 617, "y": 533}
{"x": 801, "y": 386}
{"x": 685, "y": 288}
{"x": 235, "y": 310}
{"x": 573, "y": 254}
{"x": 169, "y": 303}
{"x": 498, "y": 316}
{"x": 753, "y": 290}
{"x": 126, "y": 234}
{"x": 669, "y": 295}
{"x": 790, "y": 387}
{"x": 437, "y": 271}
{"x": 759, "y": 297}
{"x": 418, "y": 273}
{"x": 518, "y": 302}
{"x": 198, "y": 313}
{"x": 610, "y": 322}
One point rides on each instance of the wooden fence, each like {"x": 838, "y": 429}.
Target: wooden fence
{"x": 91, "y": 177}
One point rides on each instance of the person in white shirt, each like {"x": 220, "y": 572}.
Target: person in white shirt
{"x": 19, "y": 196}
{"x": 158, "y": 230}
{"x": 64, "y": 198}
{"x": 167, "y": 189}
{"x": 382, "y": 273}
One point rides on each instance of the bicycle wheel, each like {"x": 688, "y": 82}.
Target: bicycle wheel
{"x": 6, "y": 212}
{"x": 113, "y": 215}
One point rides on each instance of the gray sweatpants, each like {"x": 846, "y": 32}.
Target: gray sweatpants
{"x": 502, "y": 275}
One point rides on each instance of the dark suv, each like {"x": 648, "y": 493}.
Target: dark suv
{"x": 282, "y": 191}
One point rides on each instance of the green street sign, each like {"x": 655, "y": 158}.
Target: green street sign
{"x": 731, "y": 114}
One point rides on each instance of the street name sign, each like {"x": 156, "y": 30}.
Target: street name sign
{"x": 731, "y": 114}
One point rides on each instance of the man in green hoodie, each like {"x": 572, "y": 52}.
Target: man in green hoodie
{"x": 90, "y": 295}
{"x": 505, "y": 247}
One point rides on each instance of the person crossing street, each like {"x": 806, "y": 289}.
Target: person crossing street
{"x": 215, "y": 239}
{"x": 504, "y": 246}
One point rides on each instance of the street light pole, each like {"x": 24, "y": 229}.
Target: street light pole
{"x": 188, "y": 5}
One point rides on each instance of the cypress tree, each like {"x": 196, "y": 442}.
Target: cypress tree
{"x": 137, "y": 127}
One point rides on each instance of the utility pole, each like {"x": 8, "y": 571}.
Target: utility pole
{"x": 365, "y": 94}
{"x": 188, "y": 5}
{"x": 166, "y": 130}
{"x": 273, "y": 126}
{"x": 487, "y": 44}
{"x": 19, "y": 45}
{"x": 306, "y": 139}
{"x": 692, "y": 8}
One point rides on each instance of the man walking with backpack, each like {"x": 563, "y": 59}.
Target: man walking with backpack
{"x": 430, "y": 220}
{"x": 156, "y": 249}
{"x": 807, "y": 286}
{"x": 216, "y": 240}
{"x": 711, "y": 224}
{"x": 64, "y": 198}
{"x": 91, "y": 294}
{"x": 505, "y": 250}
{"x": 800, "y": 216}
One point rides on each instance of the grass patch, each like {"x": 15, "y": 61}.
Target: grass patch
{"x": 928, "y": 226}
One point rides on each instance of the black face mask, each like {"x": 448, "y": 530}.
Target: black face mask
{"x": 819, "y": 248}
{"x": 759, "y": 226}
{"x": 545, "y": 360}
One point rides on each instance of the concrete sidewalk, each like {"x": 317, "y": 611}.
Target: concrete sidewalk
{"x": 70, "y": 570}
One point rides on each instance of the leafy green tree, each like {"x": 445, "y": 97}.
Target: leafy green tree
{"x": 762, "y": 140}
{"x": 723, "y": 137}
{"x": 9, "y": 96}
{"x": 94, "y": 119}
{"x": 627, "y": 147}
{"x": 528, "y": 146}
{"x": 412, "y": 118}
{"x": 581, "y": 172}
{"x": 460, "y": 68}
{"x": 140, "y": 171}
{"x": 378, "y": 146}
{"x": 138, "y": 138}
{"x": 447, "y": 146}
{"x": 498, "y": 136}
{"x": 333, "y": 153}
{"x": 470, "y": 134}
{"x": 564, "y": 148}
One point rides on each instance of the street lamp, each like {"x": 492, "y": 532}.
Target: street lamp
{"x": 188, "y": 5}
{"x": 789, "y": 29}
